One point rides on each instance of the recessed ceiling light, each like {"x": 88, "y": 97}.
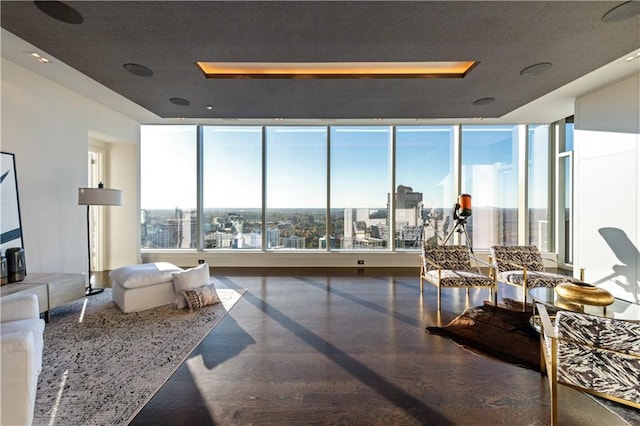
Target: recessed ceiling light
{"x": 209, "y": 107}
{"x": 450, "y": 69}
{"x": 60, "y": 11}
{"x": 179, "y": 101}
{"x": 484, "y": 101}
{"x": 536, "y": 69}
{"x": 38, "y": 57}
{"x": 623, "y": 11}
{"x": 137, "y": 69}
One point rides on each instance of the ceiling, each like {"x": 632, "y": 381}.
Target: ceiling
{"x": 169, "y": 37}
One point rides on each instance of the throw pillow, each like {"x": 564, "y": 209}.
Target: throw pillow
{"x": 188, "y": 280}
{"x": 200, "y": 297}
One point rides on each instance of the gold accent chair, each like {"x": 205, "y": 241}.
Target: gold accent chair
{"x": 597, "y": 355}
{"x": 450, "y": 266}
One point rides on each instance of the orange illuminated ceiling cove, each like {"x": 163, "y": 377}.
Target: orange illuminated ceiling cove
{"x": 448, "y": 69}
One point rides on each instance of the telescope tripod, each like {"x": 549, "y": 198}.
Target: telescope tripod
{"x": 421, "y": 237}
{"x": 461, "y": 228}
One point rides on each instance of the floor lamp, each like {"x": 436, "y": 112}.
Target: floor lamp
{"x": 99, "y": 196}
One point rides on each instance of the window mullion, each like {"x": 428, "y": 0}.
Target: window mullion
{"x": 263, "y": 214}
{"x": 328, "y": 174}
{"x": 523, "y": 184}
{"x": 199, "y": 190}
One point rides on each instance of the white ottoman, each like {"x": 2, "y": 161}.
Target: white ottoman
{"x": 139, "y": 287}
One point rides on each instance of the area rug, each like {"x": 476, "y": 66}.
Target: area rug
{"x": 499, "y": 332}
{"x": 101, "y": 366}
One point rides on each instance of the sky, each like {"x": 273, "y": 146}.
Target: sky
{"x": 296, "y": 159}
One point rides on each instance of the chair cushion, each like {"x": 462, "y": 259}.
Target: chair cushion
{"x": 446, "y": 257}
{"x": 607, "y": 333}
{"x": 134, "y": 276}
{"x": 534, "y": 278}
{"x": 600, "y": 354}
{"x": 610, "y": 373}
{"x": 449, "y": 278}
{"x": 506, "y": 258}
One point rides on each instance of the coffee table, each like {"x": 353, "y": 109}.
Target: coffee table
{"x": 619, "y": 309}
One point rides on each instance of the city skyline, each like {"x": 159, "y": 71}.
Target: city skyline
{"x": 349, "y": 228}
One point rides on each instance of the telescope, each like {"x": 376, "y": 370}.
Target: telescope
{"x": 462, "y": 209}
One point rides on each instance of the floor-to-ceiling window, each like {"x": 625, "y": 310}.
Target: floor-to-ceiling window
{"x": 344, "y": 187}
{"x": 168, "y": 187}
{"x": 360, "y": 186}
{"x": 296, "y": 187}
{"x": 232, "y": 187}
{"x": 424, "y": 184}
{"x": 565, "y": 189}
{"x": 538, "y": 186}
{"x": 490, "y": 175}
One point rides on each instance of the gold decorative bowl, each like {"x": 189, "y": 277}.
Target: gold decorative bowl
{"x": 584, "y": 294}
{"x": 569, "y": 306}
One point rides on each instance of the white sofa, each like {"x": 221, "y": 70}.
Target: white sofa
{"x": 21, "y": 342}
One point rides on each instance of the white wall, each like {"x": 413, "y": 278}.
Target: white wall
{"x": 607, "y": 187}
{"x": 123, "y": 174}
{"x": 48, "y": 127}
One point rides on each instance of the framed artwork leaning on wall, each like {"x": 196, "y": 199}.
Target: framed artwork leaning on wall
{"x": 10, "y": 222}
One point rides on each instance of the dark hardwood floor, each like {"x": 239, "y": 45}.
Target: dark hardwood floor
{"x": 350, "y": 347}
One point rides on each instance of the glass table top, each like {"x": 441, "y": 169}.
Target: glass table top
{"x": 619, "y": 309}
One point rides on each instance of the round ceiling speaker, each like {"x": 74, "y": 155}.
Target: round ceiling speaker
{"x": 179, "y": 101}
{"x": 623, "y": 11}
{"x": 60, "y": 11}
{"x": 536, "y": 69}
{"x": 484, "y": 101}
{"x": 139, "y": 70}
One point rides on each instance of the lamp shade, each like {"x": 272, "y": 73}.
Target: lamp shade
{"x": 99, "y": 197}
